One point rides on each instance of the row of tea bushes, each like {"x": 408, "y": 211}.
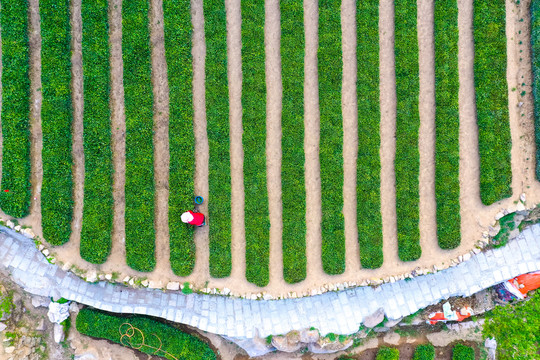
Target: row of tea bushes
{"x": 16, "y": 188}
{"x": 492, "y": 100}
{"x": 138, "y": 99}
{"x": 56, "y": 119}
{"x": 257, "y": 223}
{"x": 535, "y": 45}
{"x": 98, "y": 200}
{"x": 177, "y": 22}
{"x": 217, "y": 120}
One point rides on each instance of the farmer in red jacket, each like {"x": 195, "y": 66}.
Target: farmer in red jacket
{"x": 193, "y": 218}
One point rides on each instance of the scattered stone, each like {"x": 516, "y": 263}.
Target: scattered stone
{"x": 17, "y": 228}
{"x": 131, "y": 282}
{"x": 74, "y": 308}
{"x": 392, "y": 323}
{"x": 253, "y": 296}
{"x": 466, "y": 257}
{"x": 66, "y": 266}
{"x": 226, "y": 291}
{"x": 145, "y": 283}
{"x": 522, "y": 198}
{"x": 10, "y": 224}
{"x": 46, "y": 252}
{"x": 58, "y": 333}
{"x": 101, "y": 277}
{"x": 267, "y": 297}
{"x": 309, "y": 336}
{"x": 58, "y": 312}
{"x": 41, "y": 325}
{"x": 38, "y": 301}
{"x": 108, "y": 277}
{"x": 41, "y": 247}
{"x": 374, "y": 319}
{"x": 126, "y": 279}
{"x": 91, "y": 276}
{"x": 520, "y": 206}
{"x": 9, "y": 349}
{"x": 173, "y": 285}
{"x": 392, "y": 338}
{"x": 2, "y": 327}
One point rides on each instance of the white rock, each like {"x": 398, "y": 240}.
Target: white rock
{"x": 41, "y": 247}
{"x": 499, "y": 215}
{"x": 523, "y": 197}
{"x": 126, "y": 279}
{"x": 226, "y": 291}
{"x": 2, "y": 327}
{"x": 466, "y": 257}
{"x": 253, "y": 296}
{"x": 145, "y": 283}
{"x": 58, "y": 312}
{"x": 66, "y": 266}
{"x": 477, "y": 250}
{"x": 108, "y": 277}
{"x": 91, "y": 276}
{"x": 173, "y": 285}
{"x": 392, "y": 338}
{"x": 101, "y": 276}
{"x": 520, "y": 206}
{"x": 10, "y": 224}
{"x": 267, "y": 297}
{"x": 46, "y": 252}
{"x": 74, "y": 308}
{"x": 29, "y": 233}
{"x": 131, "y": 282}
{"x": 58, "y": 333}
{"x": 52, "y": 260}
{"x": 17, "y": 228}
{"x": 9, "y": 349}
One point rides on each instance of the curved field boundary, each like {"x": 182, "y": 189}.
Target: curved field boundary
{"x": 292, "y": 127}
{"x": 492, "y": 100}
{"x": 98, "y": 200}
{"x": 369, "y": 162}
{"x": 177, "y": 23}
{"x": 535, "y": 45}
{"x": 56, "y": 119}
{"x": 407, "y": 163}
{"x": 138, "y": 98}
{"x": 447, "y": 124}
{"x": 217, "y": 119}
{"x": 16, "y": 188}
{"x": 331, "y": 137}
{"x": 257, "y": 222}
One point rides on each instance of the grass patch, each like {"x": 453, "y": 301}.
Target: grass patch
{"x": 98, "y": 200}
{"x": 407, "y": 162}
{"x": 424, "y": 352}
{"x": 15, "y": 109}
{"x": 492, "y": 100}
{"x": 331, "y": 137}
{"x": 138, "y": 98}
{"x": 292, "y": 142}
{"x": 257, "y": 223}
{"x": 177, "y": 22}
{"x": 447, "y": 125}
{"x": 462, "y": 352}
{"x": 368, "y": 180}
{"x": 535, "y": 46}
{"x": 217, "y": 119}
{"x": 147, "y": 335}
{"x": 386, "y": 353}
{"x": 56, "y": 118}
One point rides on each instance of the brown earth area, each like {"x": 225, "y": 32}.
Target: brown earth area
{"x": 475, "y": 217}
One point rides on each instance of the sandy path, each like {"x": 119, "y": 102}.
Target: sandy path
{"x": 201, "y": 269}
{"x": 234, "y": 70}
{"x": 426, "y": 137}
{"x": 160, "y": 87}
{"x": 77, "y": 152}
{"x": 349, "y": 110}
{"x": 274, "y": 91}
{"x": 387, "y": 88}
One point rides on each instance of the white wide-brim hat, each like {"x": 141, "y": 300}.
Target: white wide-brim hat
{"x": 186, "y": 217}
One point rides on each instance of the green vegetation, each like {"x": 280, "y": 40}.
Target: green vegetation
{"x": 138, "y": 98}
{"x": 369, "y": 164}
{"x": 257, "y": 223}
{"x": 515, "y": 327}
{"x": 217, "y": 119}
{"x": 492, "y": 100}
{"x": 98, "y": 200}
{"x": 56, "y": 118}
{"x": 16, "y": 188}
{"x": 386, "y": 353}
{"x": 144, "y": 334}
{"x": 507, "y": 224}
{"x": 331, "y": 137}
{"x": 407, "y": 162}
{"x": 292, "y": 128}
{"x": 535, "y": 46}
{"x": 177, "y": 22}
{"x": 462, "y": 352}
{"x": 424, "y": 352}
{"x": 447, "y": 124}
{"x": 6, "y": 304}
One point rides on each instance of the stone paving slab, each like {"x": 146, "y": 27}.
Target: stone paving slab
{"x": 338, "y": 312}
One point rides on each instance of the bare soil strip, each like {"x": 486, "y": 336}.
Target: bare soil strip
{"x": 234, "y": 47}
{"x": 426, "y": 137}
{"x": 161, "y": 136}
{"x": 273, "y": 137}
{"x": 349, "y": 110}
{"x": 388, "y": 130}
{"x": 201, "y": 270}
{"x": 311, "y": 142}
{"x": 77, "y": 125}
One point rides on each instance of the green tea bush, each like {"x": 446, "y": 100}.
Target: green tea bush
{"x": 144, "y": 334}
{"x": 16, "y": 188}
{"x": 293, "y": 190}
{"x": 447, "y": 124}
{"x": 177, "y": 22}
{"x": 492, "y": 100}
{"x": 56, "y": 119}
{"x": 515, "y": 327}
{"x": 331, "y": 137}
{"x": 386, "y": 353}
{"x": 257, "y": 223}
{"x": 369, "y": 164}
{"x": 138, "y": 98}
{"x": 217, "y": 120}
{"x": 535, "y": 46}
{"x": 98, "y": 200}
{"x": 462, "y": 352}
{"x": 407, "y": 161}
{"x": 424, "y": 352}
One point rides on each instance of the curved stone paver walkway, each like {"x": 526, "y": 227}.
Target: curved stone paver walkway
{"x": 337, "y": 312}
